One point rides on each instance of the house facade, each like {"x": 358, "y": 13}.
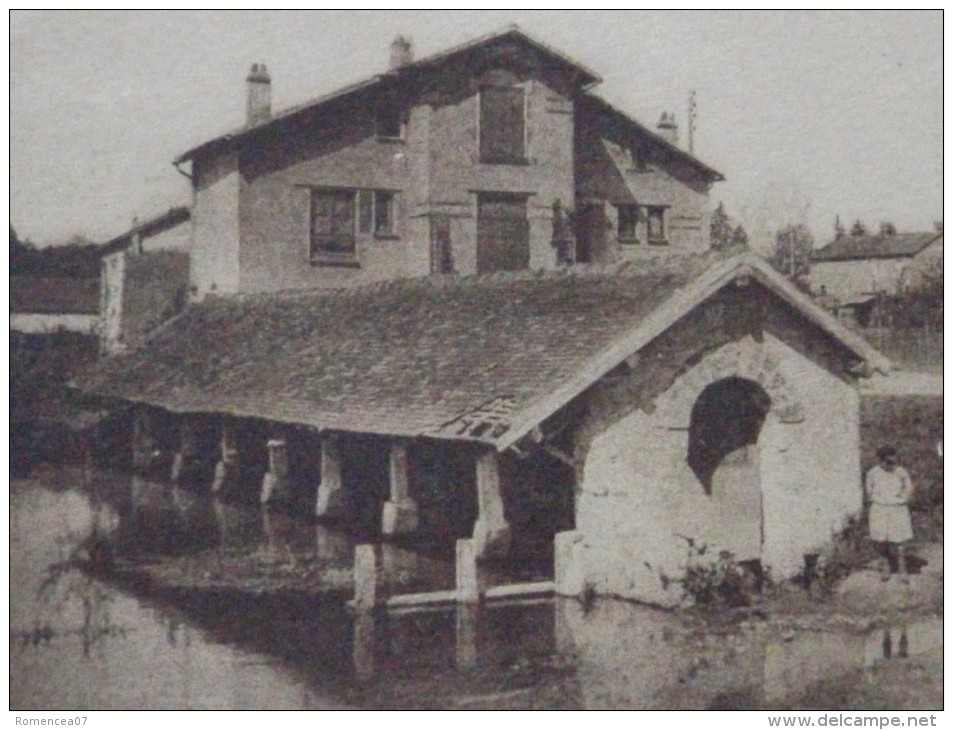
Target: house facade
{"x": 488, "y": 157}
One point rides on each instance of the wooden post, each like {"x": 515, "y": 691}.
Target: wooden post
{"x": 400, "y": 511}
{"x": 330, "y": 491}
{"x": 365, "y": 577}
{"x": 468, "y": 587}
{"x": 491, "y": 531}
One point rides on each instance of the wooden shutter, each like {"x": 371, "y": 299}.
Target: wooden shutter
{"x": 502, "y": 233}
{"x": 502, "y": 125}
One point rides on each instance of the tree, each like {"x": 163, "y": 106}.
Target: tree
{"x": 792, "y": 253}
{"x": 720, "y": 229}
{"x": 858, "y": 229}
{"x": 739, "y": 237}
{"x": 839, "y": 230}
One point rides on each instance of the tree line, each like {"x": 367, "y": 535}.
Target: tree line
{"x": 79, "y": 258}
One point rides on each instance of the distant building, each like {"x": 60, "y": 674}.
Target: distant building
{"x": 44, "y": 305}
{"x": 144, "y": 279}
{"x": 852, "y": 271}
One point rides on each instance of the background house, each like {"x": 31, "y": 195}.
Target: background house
{"x": 490, "y": 156}
{"x": 856, "y": 268}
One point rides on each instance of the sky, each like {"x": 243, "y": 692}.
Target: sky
{"x": 808, "y": 114}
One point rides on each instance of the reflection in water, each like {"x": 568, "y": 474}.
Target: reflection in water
{"x": 96, "y": 648}
{"x": 78, "y": 642}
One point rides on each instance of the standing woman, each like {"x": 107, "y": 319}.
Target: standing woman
{"x": 889, "y": 490}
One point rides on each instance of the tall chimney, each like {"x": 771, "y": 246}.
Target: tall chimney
{"x": 401, "y": 53}
{"x": 258, "y": 85}
{"x": 667, "y": 128}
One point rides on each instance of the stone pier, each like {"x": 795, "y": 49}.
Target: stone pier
{"x": 400, "y": 511}
{"x": 227, "y": 469}
{"x": 143, "y": 442}
{"x": 188, "y": 447}
{"x": 330, "y": 491}
{"x": 491, "y": 531}
{"x": 274, "y": 485}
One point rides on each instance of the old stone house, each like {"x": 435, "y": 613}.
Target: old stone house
{"x": 697, "y": 396}
{"x": 854, "y": 269}
{"x": 491, "y": 156}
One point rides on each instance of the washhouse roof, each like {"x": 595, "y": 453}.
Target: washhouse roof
{"x": 481, "y": 358}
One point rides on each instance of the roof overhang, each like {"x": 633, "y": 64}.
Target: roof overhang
{"x": 680, "y": 304}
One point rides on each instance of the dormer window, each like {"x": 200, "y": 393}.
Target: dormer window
{"x": 503, "y": 125}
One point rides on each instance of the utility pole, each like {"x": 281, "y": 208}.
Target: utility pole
{"x": 692, "y": 116}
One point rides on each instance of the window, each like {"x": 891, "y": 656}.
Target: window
{"x": 338, "y": 217}
{"x": 655, "y": 224}
{"x": 628, "y": 219}
{"x": 389, "y": 121}
{"x": 502, "y": 125}
{"x": 332, "y": 226}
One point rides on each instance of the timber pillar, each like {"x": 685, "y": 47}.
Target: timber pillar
{"x": 491, "y": 531}
{"x": 274, "y": 485}
{"x": 400, "y": 511}
{"x": 226, "y": 470}
{"x": 330, "y": 491}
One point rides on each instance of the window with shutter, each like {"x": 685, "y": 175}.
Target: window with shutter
{"x": 332, "y": 226}
{"x": 502, "y": 125}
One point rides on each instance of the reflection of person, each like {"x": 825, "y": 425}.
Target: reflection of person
{"x": 889, "y": 490}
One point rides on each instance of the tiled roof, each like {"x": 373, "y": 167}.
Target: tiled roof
{"x": 53, "y": 295}
{"x": 149, "y": 227}
{"x": 849, "y": 247}
{"x": 455, "y": 358}
{"x": 584, "y": 75}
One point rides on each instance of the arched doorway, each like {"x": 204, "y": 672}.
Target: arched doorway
{"x": 723, "y": 436}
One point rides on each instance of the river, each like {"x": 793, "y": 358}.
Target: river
{"x": 84, "y": 638}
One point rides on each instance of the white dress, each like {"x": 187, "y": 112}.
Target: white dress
{"x": 889, "y": 492}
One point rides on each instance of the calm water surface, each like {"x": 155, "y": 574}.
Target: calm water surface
{"x": 81, "y": 642}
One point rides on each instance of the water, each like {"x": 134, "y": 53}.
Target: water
{"x": 249, "y": 613}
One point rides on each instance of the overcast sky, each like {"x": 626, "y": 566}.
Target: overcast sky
{"x": 805, "y": 113}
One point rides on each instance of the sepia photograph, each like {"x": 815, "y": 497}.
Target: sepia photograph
{"x": 477, "y": 360}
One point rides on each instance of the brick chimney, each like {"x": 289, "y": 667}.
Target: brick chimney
{"x": 401, "y": 53}
{"x": 258, "y": 85}
{"x": 668, "y": 128}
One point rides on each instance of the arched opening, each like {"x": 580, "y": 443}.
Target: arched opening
{"x": 723, "y": 453}
{"x": 726, "y": 420}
